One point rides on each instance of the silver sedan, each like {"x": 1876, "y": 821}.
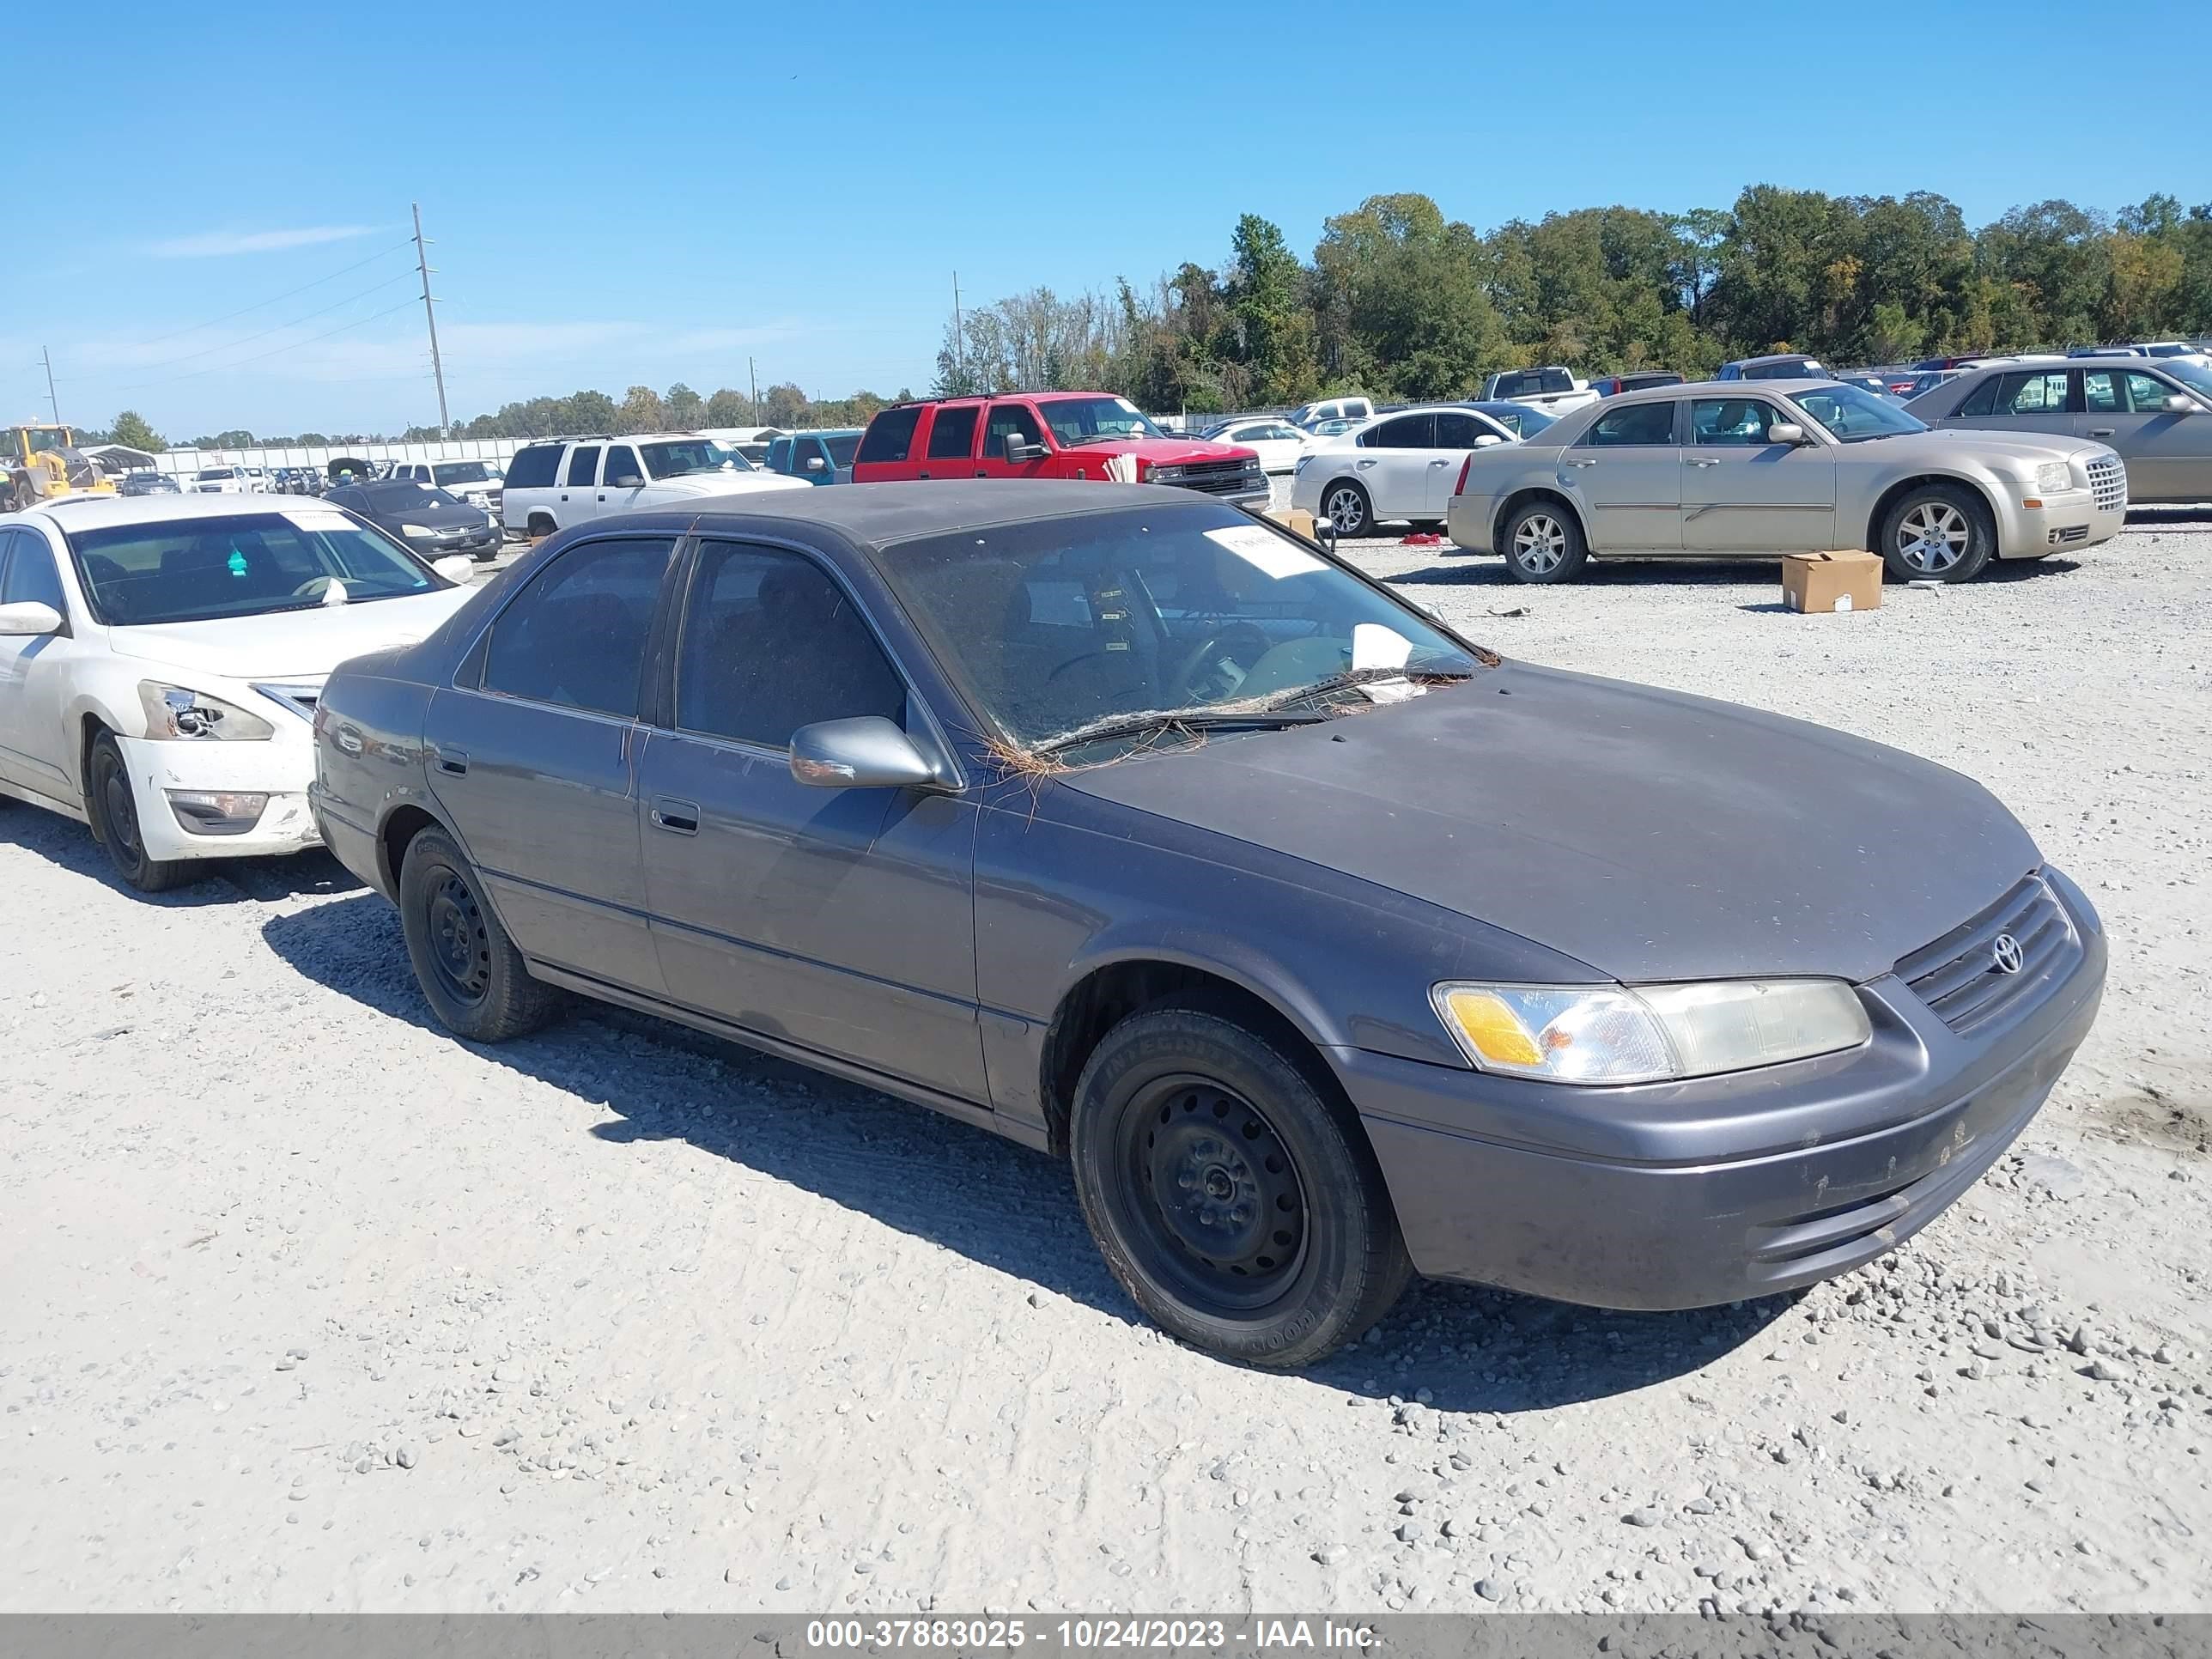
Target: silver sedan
{"x": 1737, "y": 469}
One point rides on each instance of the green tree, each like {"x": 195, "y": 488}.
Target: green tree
{"x": 641, "y": 411}
{"x": 1273, "y": 324}
{"x": 728, "y": 408}
{"x": 132, "y": 430}
{"x": 685, "y": 408}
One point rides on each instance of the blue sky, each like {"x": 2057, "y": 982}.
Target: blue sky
{"x": 620, "y": 194}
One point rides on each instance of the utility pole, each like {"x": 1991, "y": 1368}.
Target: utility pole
{"x": 753, "y": 374}
{"x": 52, "y": 403}
{"x": 959, "y": 344}
{"x": 437, "y": 367}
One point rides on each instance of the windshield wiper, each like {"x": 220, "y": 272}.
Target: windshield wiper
{"x": 1131, "y": 726}
{"x": 1357, "y": 677}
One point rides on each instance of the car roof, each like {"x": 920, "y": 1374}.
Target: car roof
{"x": 85, "y": 512}
{"x": 1780, "y": 358}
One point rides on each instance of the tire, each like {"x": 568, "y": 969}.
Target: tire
{"x": 1236, "y": 1201}
{"x": 468, "y": 969}
{"x": 1544, "y": 544}
{"x": 113, "y": 810}
{"x": 540, "y": 527}
{"x": 1937, "y": 533}
{"x": 1345, "y": 504}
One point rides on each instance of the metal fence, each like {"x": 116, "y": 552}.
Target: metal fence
{"x": 183, "y": 462}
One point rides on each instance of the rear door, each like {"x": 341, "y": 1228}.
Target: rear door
{"x": 1625, "y": 475}
{"x": 1457, "y": 433}
{"x": 2035, "y": 400}
{"x": 888, "y": 452}
{"x": 1013, "y": 418}
{"x": 839, "y": 920}
{"x": 533, "y": 753}
{"x": 573, "y": 500}
{"x": 948, "y": 450}
{"x": 1394, "y": 465}
{"x": 1743, "y": 492}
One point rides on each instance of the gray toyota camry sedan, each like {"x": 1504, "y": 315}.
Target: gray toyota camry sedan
{"x": 1325, "y": 945}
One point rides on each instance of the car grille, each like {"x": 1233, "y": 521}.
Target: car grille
{"x": 1959, "y": 977}
{"x": 2108, "y": 484}
{"x": 1213, "y": 477}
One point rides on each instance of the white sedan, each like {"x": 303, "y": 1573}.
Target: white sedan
{"x": 1277, "y": 443}
{"x": 160, "y": 658}
{"x": 1401, "y": 466}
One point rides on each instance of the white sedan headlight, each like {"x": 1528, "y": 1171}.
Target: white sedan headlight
{"x": 174, "y": 714}
{"x": 1649, "y": 1033}
{"x": 2054, "y": 476}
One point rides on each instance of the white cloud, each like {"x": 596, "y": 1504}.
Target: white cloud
{"x": 215, "y": 244}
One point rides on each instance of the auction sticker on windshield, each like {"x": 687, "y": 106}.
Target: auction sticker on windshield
{"x": 315, "y": 518}
{"x": 1265, "y": 552}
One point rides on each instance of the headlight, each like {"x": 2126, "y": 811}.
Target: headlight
{"x": 2053, "y": 477}
{"x": 173, "y": 713}
{"x": 1649, "y": 1034}
{"x": 416, "y": 530}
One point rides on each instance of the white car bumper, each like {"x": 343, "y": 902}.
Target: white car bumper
{"x": 280, "y": 770}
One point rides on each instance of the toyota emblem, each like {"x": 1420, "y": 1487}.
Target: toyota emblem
{"x": 2007, "y": 952}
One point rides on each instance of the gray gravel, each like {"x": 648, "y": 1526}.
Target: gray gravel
{"x": 619, "y": 1317}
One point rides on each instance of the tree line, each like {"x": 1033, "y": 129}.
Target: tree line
{"x": 1399, "y": 301}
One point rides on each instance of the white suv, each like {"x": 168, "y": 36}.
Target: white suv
{"x": 478, "y": 482}
{"x": 568, "y": 481}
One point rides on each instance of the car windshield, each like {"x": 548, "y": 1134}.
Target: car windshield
{"x": 246, "y": 565}
{"x": 460, "y": 472}
{"x": 406, "y": 497}
{"x": 1519, "y": 419}
{"x": 212, "y": 474}
{"x": 1088, "y": 420}
{"x": 690, "y": 457}
{"x": 1855, "y": 415}
{"x": 1108, "y": 622}
{"x": 2191, "y": 372}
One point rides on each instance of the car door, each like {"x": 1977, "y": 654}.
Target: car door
{"x": 1626, "y": 477}
{"x": 1393, "y": 464}
{"x": 34, "y": 669}
{"x": 1009, "y": 418}
{"x": 533, "y": 753}
{"x": 950, "y": 451}
{"x": 841, "y": 920}
{"x": 779, "y": 456}
{"x": 2168, "y": 452}
{"x": 1457, "y": 433}
{"x": 2033, "y": 400}
{"x": 622, "y": 479}
{"x": 1743, "y": 492}
{"x": 573, "y": 502}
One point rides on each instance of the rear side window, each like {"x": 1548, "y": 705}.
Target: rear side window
{"x": 953, "y": 434}
{"x": 576, "y": 635}
{"x": 890, "y": 435}
{"x": 533, "y": 468}
{"x": 2035, "y": 393}
{"x": 1634, "y": 425}
{"x": 1406, "y": 432}
{"x": 583, "y": 462}
{"x": 1982, "y": 400}
{"x": 771, "y": 644}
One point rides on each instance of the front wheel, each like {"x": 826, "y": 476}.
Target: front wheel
{"x": 1937, "y": 533}
{"x": 469, "y": 969}
{"x": 1345, "y": 505}
{"x": 1237, "y": 1204}
{"x": 1544, "y": 544}
{"x": 114, "y": 810}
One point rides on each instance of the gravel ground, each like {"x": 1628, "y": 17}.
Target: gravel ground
{"x": 308, "y": 1307}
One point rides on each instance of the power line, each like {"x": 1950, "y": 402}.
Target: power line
{"x": 437, "y": 368}
{"x": 341, "y": 271}
{"x": 292, "y": 345}
{"x": 278, "y": 328}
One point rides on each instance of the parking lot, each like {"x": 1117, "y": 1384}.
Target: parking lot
{"x": 313, "y": 1308}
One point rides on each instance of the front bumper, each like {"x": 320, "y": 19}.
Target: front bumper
{"x": 1683, "y": 1195}
{"x": 2063, "y": 523}
{"x": 473, "y": 544}
{"x": 278, "y": 769}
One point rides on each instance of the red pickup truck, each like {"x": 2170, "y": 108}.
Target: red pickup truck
{"x": 1047, "y": 434}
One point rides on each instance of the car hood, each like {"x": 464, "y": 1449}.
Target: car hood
{"x": 290, "y": 644}
{"x": 1164, "y": 452}
{"x": 1650, "y": 834}
{"x": 2034, "y": 448}
{"x": 432, "y": 516}
{"x": 725, "y": 484}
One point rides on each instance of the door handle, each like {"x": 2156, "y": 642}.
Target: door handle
{"x": 921, "y": 475}
{"x": 453, "y": 762}
{"x": 564, "y": 496}
{"x": 2102, "y": 431}
{"x": 1701, "y": 461}
{"x": 603, "y": 498}
{"x": 1439, "y": 462}
{"x": 678, "y": 818}
{"x": 1573, "y": 461}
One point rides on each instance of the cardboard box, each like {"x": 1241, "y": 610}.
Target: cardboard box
{"x": 1295, "y": 519}
{"x": 1831, "y": 581}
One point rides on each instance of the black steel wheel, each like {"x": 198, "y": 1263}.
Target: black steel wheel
{"x": 114, "y": 810}
{"x": 469, "y": 970}
{"x": 1230, "y": 1190}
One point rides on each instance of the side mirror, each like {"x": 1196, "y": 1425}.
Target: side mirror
{"x": 625, "y": 481}
{"x": 455, "y": 567}
{"x": 1786, "y": 432}
{"x": 867, "y": 752}
{"x": 2177, "y": 404}
{"x": 28, "y": 616}
{"x": 1020, "y": 449}
{"x": 1325, "y": 533}
{"x": 813, "y": 463}
{"x": 1488, "y": 440}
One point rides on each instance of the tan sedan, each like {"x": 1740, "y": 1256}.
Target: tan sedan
{"x": 1726, "y": 469}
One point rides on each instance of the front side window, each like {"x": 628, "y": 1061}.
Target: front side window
{"x": 1855, "y": 416}
{"x": 890, "y": 435}
{"x": 582, "y": 465}
{"x": 1632, "y": 425}
{"x": 771, "y": 643}
{"x": 248, "y": 564}
{"x": 576, "y": 635}
{"x": 1010, "y": 421}
{"x": 1056, "y": 625}
{"x": 1457, "y": 431}
{"x": 31, "y": 578}
{"x": 952, "y": 434}
{"x": 1731, "y": 421}
{"x": 621, "y": 463}
{"x": 1077, "y": 421}
{"x": 687, "y": 458}
{"x": 2147, "y": 394}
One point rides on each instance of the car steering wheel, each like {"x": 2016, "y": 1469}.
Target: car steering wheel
{"x": 313, "y": 585}
{"x": 1210, "y": 647}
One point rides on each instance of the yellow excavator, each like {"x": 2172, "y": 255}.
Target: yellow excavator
{"x": 38, "y": 461}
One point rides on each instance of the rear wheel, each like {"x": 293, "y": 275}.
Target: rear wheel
{"x": 1544, "y": 544}
{"x": 1937, "y": 533}
{"x": 1345, "y": 505}
{"x": 1233, "y": 1198}
{"x": 470, "y": 972}
{"x": 541, "y": 526}
{"x": 114, "y": 813}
